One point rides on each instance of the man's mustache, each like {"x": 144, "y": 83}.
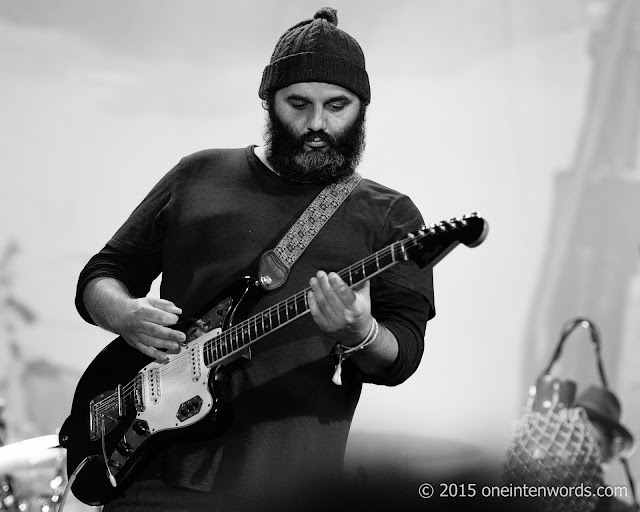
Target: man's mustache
{"x": 320, "y": 134}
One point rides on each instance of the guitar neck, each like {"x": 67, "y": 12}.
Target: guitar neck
{"x": 238, "y": 337}
{"x": 427, "y": 247}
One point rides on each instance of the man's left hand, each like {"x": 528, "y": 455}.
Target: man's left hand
{"x": 342, "y": 313}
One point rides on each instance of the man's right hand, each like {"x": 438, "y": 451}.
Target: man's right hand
{"x": 142, "y": 322}
{"x": 144, "y": 325}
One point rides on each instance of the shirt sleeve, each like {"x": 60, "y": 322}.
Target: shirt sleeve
{"x": 402, "y": 298}
{"x": 133, "y": 255}
{"x": 143, "y": 231}
{"x": 135, "y": 271}
{"x": 404, "y": 312}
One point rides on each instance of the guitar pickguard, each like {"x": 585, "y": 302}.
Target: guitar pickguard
{"x": 166, "y": 396}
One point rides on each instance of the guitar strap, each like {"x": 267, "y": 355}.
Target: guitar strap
{"x": 274, "y": 265}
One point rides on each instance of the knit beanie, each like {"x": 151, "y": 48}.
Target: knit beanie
{"x": 317, "y": 51}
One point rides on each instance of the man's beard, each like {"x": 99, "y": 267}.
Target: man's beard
{"x": 286, "y": 151}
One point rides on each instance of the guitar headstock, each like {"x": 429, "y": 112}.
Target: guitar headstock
{"x": 471, "y": 230}
{"x": 433, "y": 242}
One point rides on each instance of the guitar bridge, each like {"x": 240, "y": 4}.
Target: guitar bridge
{"x": 105, "y": 413}
{"x": 93, "y": 421}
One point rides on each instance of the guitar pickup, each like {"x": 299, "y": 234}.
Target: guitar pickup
{"x": 194, "y": 356}
{"x": 137, "y": 394}
{"x": 154, "y": 384}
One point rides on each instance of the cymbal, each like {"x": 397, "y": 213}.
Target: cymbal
{"x": 38, "y": 452}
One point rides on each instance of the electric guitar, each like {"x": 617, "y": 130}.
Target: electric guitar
{"x": 126, "y": 403}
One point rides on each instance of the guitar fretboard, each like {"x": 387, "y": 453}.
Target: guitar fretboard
{"x": 240, "y": 336}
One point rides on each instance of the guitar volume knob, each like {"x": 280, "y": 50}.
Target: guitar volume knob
{"x": 141, "y": 428}
{"x": 124, "y": 448}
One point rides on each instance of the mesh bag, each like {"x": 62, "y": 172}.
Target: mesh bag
{"x": 553, "y": 448}
{"x": 555, "y": 452}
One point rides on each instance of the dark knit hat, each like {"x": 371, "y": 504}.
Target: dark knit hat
{"x": 317, "y": 51}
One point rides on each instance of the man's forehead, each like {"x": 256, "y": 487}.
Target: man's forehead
{"x": 312, "y": 90}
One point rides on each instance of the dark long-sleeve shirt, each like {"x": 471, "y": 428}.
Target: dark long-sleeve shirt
{"x": 205, "y": 224}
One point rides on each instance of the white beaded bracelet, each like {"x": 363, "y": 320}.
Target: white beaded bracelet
{"x": 342, "y": 351}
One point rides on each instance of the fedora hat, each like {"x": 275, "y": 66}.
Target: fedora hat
{"x": 602, "y": 405}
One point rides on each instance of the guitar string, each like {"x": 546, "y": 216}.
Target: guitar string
{"x": 219, "y": 340}
{"x": 128, "y": 391}
{"x": 112, "y": 399}
{"x": 224, "y": 341}
{"x": 217, "y": 348}
{"x": 227, "y": 338}
{"x": 178, "y": 364}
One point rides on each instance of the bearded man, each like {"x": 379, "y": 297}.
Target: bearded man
{"x": 206, "y": 224}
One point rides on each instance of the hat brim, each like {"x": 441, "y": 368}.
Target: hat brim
{"x": 628, "y": 442}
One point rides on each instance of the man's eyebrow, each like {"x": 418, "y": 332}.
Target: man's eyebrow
{"x": 341, "y": 97}
{"x": 299, "y": 97}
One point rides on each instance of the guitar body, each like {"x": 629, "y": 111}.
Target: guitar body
{"x": 132, "y": 403}
{"x": 126, "y": 403}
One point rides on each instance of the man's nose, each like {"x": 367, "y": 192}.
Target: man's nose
{"x": 317, "y": 119}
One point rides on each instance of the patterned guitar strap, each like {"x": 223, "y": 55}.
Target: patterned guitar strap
{"x": 275, "y": 264}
